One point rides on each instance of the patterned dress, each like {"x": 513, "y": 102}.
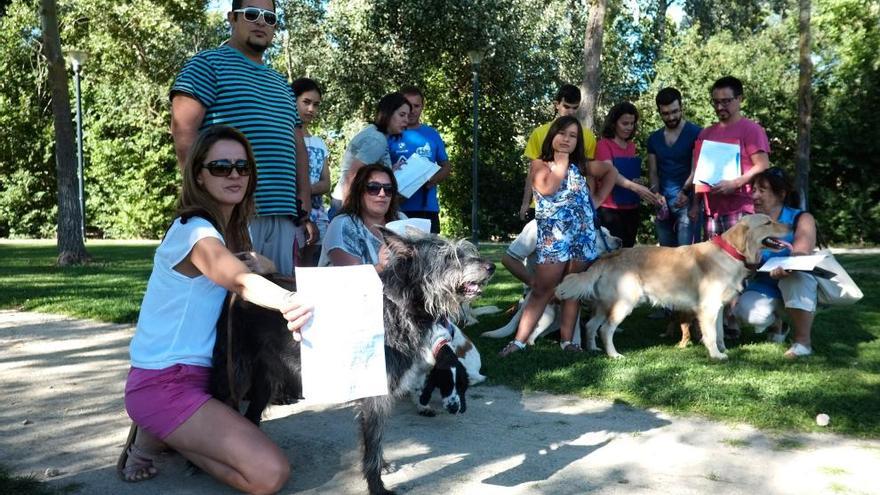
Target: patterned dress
{"x": 566, "y": 226}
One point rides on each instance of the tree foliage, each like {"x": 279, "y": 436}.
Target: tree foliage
{"x": 361, "y": 49}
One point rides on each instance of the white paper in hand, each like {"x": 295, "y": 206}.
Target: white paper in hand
{"x": 399, "y": 226}
{"x": 343, "y": 347}
{"x": 717, "y": 162}
{"x": 800, "y": 263}
{"x": 413, "y": 174}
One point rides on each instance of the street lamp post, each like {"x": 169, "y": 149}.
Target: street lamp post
{"x": 476, "y": 57}
{"x": 77, "y": 59}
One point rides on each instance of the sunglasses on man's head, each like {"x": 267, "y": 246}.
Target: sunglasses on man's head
{"x": 222, "y": 168}
{"x": 373, "y": 188}
{"x": 252, "y": 14}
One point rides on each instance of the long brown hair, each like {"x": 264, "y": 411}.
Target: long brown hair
{"x": 354, "y": 203}
{"x": 578, "y": 155}
{"x": 194, "y": 200}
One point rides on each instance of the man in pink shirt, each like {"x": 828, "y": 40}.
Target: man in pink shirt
{"x": 729, "y": 200}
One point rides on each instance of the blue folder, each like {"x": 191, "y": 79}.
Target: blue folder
{"x": 631, "y": 168}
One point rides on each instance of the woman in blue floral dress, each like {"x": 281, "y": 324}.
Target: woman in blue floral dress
{"x": 566, "y": 227}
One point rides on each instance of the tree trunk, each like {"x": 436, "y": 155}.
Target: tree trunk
{"x": 592, "y": 63}
{"x": 662, "y": 6}
{"x": 805, "y": 105}
{"x": 71, "y": 249}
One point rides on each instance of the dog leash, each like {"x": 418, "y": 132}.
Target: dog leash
{"x": 230, "y": 372}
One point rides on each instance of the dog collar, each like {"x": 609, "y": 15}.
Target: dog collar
{"x": 438, "y": 344}
{"x": 728, "y": 248}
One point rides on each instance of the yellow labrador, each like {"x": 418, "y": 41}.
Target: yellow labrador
{"x": 700, "y": 278}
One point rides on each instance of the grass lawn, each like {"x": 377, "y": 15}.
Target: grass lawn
{"x": 756, "y": 385}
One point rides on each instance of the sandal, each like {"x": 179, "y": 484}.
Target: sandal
{"x": 798, "y": 350}
{"x": 571, "y": 347}
{"x": 141, "y": 467}
{"x": 511, "y": 348}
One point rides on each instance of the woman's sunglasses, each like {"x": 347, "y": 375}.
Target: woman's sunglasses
{"x": 222, "y": 168}
{"x": 252, "y": 14}
{"x": 373, "y": 189}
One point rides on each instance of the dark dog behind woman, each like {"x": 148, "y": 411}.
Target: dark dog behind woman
{"x": 761, "y": 303}
{"x": 166, "y": 393}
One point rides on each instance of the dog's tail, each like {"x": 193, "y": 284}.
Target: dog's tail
{"x": 486, "y": 310}
{"x": 580, "y": 285}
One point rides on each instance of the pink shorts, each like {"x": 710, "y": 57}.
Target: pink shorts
{"x": 161, "y": 400}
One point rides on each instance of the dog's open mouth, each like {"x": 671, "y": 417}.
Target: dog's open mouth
{"x": 775, "y": 243}
{"x": 471, "y": 289}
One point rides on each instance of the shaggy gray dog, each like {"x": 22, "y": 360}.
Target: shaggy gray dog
{"x": 426, "y": 279}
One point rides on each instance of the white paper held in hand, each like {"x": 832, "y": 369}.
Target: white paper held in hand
{"x": 343, "y": 347}
{"x": 802, "y": 263}
{"x": 717, "y": 162}
{"x": 413, "y": 174}
{"x": 399, "y": 227}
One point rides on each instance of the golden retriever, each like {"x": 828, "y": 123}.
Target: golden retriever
{"x": 700, "y": 278}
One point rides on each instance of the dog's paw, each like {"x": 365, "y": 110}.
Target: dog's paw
{"x": 720, "y": 356}
{"x": 426, "y": 412}
{"x": 570, "y": 287}
{"x": 616, "y": 355}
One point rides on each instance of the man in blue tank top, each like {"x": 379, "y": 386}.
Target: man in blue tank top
{"x": 232, "y": 85}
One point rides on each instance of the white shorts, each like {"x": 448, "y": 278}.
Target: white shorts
{"x": 760, "y": 310}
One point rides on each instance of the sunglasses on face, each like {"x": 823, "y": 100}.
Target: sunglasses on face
{"x": 253, "y": 14}
{"x": 373, "y": 189}
{"x": 223, "y": 168}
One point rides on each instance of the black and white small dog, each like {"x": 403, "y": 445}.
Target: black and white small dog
{"x": 425, "y": 281}
{"x": 449, "y": 374}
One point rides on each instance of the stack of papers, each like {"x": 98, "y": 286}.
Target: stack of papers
{"x": 798, "y": 263}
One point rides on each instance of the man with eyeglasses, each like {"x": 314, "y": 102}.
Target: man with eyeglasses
{"x": 670, "y": 158}
{"x": 729, "y": 200}
{"x": 232, "y": 85}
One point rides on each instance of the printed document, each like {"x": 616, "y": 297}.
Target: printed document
{"x": 412, "y": 174}
{"x": 343, "y": 347}
{"x": 717, "y": 162}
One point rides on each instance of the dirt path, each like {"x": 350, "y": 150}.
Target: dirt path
{"x": 62, "y": 379}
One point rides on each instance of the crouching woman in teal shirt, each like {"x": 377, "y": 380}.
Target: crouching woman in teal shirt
{"x": 762, "y": 302}
{"x": 166, "y": 393}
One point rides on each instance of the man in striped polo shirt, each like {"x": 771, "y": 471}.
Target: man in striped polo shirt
{"x": 231, "y": 85}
